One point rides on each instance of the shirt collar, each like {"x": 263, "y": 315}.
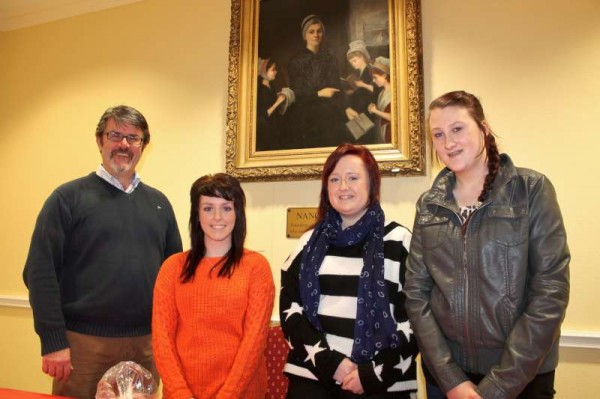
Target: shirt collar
{"x": 113, "y": 181}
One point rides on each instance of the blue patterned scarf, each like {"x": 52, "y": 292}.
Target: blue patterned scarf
{"x": 375, "y": 327}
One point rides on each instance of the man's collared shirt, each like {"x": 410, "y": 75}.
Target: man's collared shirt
{"x": 115, "y": 182}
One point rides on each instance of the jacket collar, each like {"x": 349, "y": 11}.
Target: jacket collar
{"x": 441, "y": 190}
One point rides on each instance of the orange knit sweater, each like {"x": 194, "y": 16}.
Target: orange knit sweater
{"x": 209, "y": 335}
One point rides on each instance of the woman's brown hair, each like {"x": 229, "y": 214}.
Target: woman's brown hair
{"x": 473, "y": 106}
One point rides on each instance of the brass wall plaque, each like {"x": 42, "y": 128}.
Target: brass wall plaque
{"x": 299, "y": 220}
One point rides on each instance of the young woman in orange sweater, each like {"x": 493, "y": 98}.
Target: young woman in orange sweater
{"x": 213, "y": 303}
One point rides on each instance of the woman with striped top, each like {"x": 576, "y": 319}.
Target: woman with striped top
{"x": 341, "y": 302}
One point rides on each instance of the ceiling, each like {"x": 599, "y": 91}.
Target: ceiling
{"x": 16, "y": 14}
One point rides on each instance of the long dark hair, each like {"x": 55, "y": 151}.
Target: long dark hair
{"x": 223, "y": 186}
{"x": 473, "y": 106}
{"x": 370, "y": 164}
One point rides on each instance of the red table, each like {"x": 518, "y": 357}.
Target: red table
{"x": 6, "y": 393}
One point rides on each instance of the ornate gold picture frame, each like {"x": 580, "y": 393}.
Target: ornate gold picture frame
{"x": 395, "y": 25}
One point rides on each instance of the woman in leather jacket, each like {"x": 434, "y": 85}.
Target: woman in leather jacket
{"x": 487, "y": 281}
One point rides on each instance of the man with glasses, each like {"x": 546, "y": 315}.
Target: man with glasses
{"x": 95, "y": 252}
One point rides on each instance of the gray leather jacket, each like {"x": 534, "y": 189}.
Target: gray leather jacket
{"x": 489, "y": 297}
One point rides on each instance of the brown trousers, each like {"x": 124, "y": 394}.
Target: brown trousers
{"x": 92, "y": 356}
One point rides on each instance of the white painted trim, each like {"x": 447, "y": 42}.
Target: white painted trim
{"x": 580, "y": 339}
{"x": 10, "y": 301}
{"x": 568, "y": 339}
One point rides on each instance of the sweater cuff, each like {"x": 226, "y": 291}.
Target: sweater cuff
{"x": 326, "y": 370}
{"x": 368, "y": 379}
{"x": 53, "y": 341}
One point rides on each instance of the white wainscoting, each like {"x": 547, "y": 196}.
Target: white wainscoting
{"x": 568, "y": 338}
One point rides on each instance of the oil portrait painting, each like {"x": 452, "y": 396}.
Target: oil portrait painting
{"x": 306, "y": 76}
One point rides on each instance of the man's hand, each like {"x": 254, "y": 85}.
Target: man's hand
{"x": 58, "y": 364}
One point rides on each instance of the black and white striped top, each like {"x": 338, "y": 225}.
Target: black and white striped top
{"x": 315, "y": 355}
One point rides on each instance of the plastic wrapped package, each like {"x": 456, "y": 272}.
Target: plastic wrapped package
{"x": 127, "y": 380}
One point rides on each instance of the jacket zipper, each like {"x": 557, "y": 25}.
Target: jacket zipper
{"x": 466, "y": 332}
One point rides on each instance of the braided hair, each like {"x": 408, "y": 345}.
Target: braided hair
{"x": 493, "y": 164}
{"x": 473, "y": 106}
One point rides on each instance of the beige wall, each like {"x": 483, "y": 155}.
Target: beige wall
{"x": 535, "y": 64}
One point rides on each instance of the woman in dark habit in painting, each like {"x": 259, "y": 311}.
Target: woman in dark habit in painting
{"x": 321, "y": 110}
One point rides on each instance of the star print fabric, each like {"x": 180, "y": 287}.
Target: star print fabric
{"x": 375, "y": 328}
{"x": 316, "y": 353}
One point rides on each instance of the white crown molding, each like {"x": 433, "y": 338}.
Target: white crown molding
{"x": 16, "y": 14}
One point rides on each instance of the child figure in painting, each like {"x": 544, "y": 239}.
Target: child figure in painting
{"x": 361, "y": 90}
{"x": 383, "y": 110}
{"x": 267, "y": 101}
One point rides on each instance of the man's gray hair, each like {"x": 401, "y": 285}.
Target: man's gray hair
{"x": 124, "y": 114}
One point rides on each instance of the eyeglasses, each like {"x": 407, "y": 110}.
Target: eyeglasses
{"x": 132, "y": 139}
